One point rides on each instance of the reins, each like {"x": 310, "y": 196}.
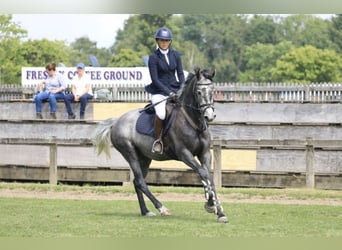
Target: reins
{"x": 190, "y": 121}
{"x": 152, "y": 105}
{"x": 201, "y": 108}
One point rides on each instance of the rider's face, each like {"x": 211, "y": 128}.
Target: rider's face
{"x": 163, "y": 44}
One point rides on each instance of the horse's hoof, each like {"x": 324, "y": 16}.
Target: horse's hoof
{"x": 150, "y": 214}
{"x": 209, "y": 209}
{"x": 164, "y": 211}
{"x": 222, "y": 219}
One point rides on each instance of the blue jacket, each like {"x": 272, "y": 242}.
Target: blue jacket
{"x": 163, "y": 75}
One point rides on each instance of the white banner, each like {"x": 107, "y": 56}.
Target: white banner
{"x": 98, "y": 75}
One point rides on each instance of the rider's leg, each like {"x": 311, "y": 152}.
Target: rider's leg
{"x": 157, "y": 146}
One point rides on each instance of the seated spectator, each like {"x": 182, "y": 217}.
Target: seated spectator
{"x": 51, "y": 89}
{"x": 80, "y": 92}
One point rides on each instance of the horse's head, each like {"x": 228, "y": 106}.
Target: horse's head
{"x": 204, "y": 91}
{"x": 197, "y": 93}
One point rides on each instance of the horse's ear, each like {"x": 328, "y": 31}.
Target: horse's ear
{"x": 213, "y": 73}
{"x": 197, "y": 71}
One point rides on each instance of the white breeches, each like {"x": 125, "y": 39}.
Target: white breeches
{"x": 159, "y": 108}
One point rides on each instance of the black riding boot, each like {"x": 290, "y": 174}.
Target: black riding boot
{"x": 157, "y": 146}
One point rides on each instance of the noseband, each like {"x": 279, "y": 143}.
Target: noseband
{"x": 201, "y": 108}
{"x": 205, "y": 106}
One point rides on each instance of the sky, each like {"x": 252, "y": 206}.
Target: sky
{"x": 99, "y": 28}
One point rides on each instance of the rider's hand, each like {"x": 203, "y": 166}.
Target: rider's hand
{"x": 172, "y": 95}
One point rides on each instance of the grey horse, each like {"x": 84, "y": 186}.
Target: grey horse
{"x": 186, "y": 137}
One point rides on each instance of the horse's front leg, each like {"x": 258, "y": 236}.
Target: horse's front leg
{"x": 212, "y": 205}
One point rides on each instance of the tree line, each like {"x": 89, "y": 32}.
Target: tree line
{"x": 242, "y": 48}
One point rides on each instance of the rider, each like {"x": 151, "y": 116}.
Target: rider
{"x": 163, "y": 63}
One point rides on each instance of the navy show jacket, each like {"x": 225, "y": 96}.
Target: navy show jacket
{"x": 163, "y": 75}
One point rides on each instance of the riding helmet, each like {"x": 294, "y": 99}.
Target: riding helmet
{"x": 163, "y": 33}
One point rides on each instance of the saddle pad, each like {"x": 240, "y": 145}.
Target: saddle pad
{"x": 145, "y": 123}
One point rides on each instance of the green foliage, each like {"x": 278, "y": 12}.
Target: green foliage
{"x": 259, "y": 59}
{"x": 38, "y": 53}
{"x": 304, "y": 30}
{"x": 308, "y": 64}
{"x": 10, "y": 60}
{"x": 192, "y": 56}
{"x": 240, "y": 47}
{"x": 126, "y": 58}
{"x": 261, "y": 29}
{"x": 335, "y": 31}
{"x": 219, "y": 38}
{"x": 138, "y": 33}
{"x": 82, "y": 48}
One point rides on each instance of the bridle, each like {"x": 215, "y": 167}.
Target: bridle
{"x": 201, "y": 107}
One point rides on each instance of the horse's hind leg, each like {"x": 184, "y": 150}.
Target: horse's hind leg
{"x": 143, "y": 209}
{"x": 141, "y": 188}
{"x": 139, "y": 165}
{"x": 144, "y": 164}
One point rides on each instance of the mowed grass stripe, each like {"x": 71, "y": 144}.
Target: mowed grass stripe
{"x": 24, "y": 217}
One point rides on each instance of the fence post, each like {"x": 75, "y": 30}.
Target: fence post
{"x": 53, "y": 161}
{"x": 217, "y": 176}
{"x": 310, "y": 173}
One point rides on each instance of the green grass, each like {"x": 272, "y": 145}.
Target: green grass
{"x": 74, "y": 218}
{"x": 236, "y": 193}
{"x": 26, "y": 217}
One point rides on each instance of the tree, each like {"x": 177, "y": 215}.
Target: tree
{"x": 138, "y": 34}
{"x": 83, "y": 48}
{"x": 126, "y": 58}
{"x": 261, "y": 29}
{"x": 336, "y": 31}
{"x": 10, "y": 30}
{"x": 304, "y": 30}
{"x": 192, "y": 56}
{"x": 259, "y": 59}
{"x": 10, "y": 60}
{"x": 308, "y": 64}
{"x": 38, "y": 53}
{"x": 220, "y": 37}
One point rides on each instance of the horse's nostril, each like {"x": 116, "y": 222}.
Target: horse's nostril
{"x": 209, "y": 119}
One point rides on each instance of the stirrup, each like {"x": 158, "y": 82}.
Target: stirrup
{"x": 155, "y": 145}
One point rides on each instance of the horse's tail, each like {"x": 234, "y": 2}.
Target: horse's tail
{"x": 102, "y": 136}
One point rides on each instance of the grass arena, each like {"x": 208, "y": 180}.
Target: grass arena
{"x": 42, "y": 210}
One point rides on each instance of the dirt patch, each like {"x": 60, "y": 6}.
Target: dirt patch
{"x": 226, "y": 198}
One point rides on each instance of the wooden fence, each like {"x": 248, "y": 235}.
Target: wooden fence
{"x": 231, "y": 92}
{"x": 308, "y": 146}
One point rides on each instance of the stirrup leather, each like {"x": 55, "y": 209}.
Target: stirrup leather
{"x": 157, "y": 143}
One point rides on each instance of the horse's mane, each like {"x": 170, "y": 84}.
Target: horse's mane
{"x": 208, "y": 74}
{"x": 189, "y": 85}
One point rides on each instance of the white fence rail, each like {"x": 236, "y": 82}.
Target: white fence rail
{"x": 230, "y": 92}
{"x": 279, "y": 92}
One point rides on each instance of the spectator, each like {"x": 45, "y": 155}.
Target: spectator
{"x": 51, "y": 89}
{"x": 80, "y": 92}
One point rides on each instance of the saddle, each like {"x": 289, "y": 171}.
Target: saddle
{"x": 145, "y": 122}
